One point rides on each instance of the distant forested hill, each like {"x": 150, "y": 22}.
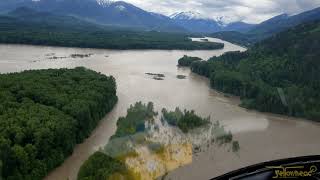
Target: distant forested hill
{"x": 26, "y": 26}
{"x": 280, "y": 74}
{"x": 45, "y": 113}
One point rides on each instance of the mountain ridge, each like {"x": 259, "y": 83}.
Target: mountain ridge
{"x": 196, "y": 22}
{"x": 117, "y": 13}
{"x": 120, "y": 13}
{"x": 269, "y": 28}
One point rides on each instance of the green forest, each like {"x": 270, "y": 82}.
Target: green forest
{"x": 135, "y": 119}
{"x": 184, "y": 120}
{"x": 56, "y": 33}
{"x": 279, "y": 75}
{"x": 101, "y": 166}
{"x": 187, "y": 60}
{"x": 45, "y": 113}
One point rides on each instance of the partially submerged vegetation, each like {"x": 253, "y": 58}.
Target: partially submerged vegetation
{"x": 52, "y": 56}
{"x": 45, "y": 113}
{"x": 181, "y": 76}
{"x": 184, "y": 120}
{"x": 80, "y": 55}
{"x": 156, "y": 76}
{"x": 135, "y": 119}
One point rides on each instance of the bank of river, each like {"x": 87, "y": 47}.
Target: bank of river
{"x": 261, "y": 136}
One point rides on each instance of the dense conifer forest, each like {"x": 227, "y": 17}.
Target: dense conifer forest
{"x": 53, "y": 31}
{"x": 279, "y": 75}
{"x": 45, "y": 113}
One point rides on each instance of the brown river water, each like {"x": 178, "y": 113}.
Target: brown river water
{"x": 262, "y": 136}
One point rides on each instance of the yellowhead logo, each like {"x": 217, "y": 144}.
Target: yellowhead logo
{"x": 293, "y": 171}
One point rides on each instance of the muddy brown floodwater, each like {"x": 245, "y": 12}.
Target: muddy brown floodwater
{"x": 262, "y": 137}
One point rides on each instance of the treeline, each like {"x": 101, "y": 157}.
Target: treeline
{"x": 45, "y": 113}
{"x": 279, "y": 75}
{"x": 49, "y": 32}
{"x": 102, "y": 165}
{"x": 184, "y": 120}
{"x": 187, "y": 60}
{"x": 135, "y": 119}
{"x": 239, "y": 38}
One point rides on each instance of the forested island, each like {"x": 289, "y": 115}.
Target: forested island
{"x": 279, "y": 75}
{"x": 45, "y": 113}
{"x": 26, "y": 26}
{"x": 135, "y": 131}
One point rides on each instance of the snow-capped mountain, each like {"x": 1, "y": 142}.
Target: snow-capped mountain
{"x": 196, "y": 22}
{"x": 187, "y": 15}
{"x": 104, "y": 2}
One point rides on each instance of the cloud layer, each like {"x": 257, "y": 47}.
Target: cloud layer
{"x": 251, "y": 11}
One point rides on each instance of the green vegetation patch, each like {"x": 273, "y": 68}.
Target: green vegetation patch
{"x": 181, "y": 76}
{"x": 184, "y": 120}
{"x": 155, "y": 76}
{"x": 45, "y": 113}
{"x": 101, "y": 166}
{"x": 188, "y": 60}
{"x": 135, "y": 119}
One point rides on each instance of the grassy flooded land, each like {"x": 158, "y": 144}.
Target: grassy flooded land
{"x": 45, "y": 113}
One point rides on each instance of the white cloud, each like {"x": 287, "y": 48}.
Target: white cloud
{"x": 251, "y": 11}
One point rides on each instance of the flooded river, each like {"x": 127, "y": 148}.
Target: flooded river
{"x": 262, "y": 137}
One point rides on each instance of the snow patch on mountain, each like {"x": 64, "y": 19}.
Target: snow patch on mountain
{"x": 105, "y": 3}
{"x": 121, "y": 8}
{"x": 187, "y": 15}
{"x": 190, "y": 15}
{"x": 223, "y": 20}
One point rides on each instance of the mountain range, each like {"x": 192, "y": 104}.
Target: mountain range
{"x": 195, "y": 22}
{"x": 285, "y": 21}
{"x": 122, "y": 14}
{"x": 118, "y": 13}
{"x": 269, "y": 27}
{"x": 125, "y": 15}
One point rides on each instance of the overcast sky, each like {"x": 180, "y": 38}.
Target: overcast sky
{"x": 251, "y": 11}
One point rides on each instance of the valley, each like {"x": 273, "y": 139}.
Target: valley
{"x": 251, "y": 129}
{"x": 107, "y": 89}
